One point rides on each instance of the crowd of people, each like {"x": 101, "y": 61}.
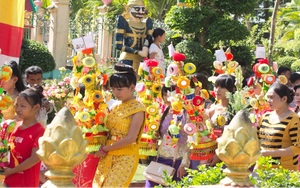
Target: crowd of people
{"x": 277, "y": 127}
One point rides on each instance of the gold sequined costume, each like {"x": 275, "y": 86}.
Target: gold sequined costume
{"x": 118, "y": 166}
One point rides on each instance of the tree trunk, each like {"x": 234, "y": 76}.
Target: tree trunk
{"x": 248, "y": 24}
{"x": 199, "y": 37}
{"x": 236, "y": 17}
{"x": 266, "y": 6}
{"x": 272, "y": 34}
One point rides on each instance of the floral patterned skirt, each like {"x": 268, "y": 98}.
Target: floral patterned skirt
{"x": 115, "y": 171}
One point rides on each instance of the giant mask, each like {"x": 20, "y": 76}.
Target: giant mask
{"x": 136, "y": 9}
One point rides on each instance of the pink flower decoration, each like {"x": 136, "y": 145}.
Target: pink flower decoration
{"x": 86, "y": 70}
{"x": 67, "y": 80}
{"x": 61, "y": 83}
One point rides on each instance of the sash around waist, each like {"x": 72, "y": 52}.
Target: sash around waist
{"x": 129, "y": 56}
{"x": 127, "y": 150}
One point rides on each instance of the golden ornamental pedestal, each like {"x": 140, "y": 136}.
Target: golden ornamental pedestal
{"x": 238, "y": 148}
{"x": 61, "y": 149}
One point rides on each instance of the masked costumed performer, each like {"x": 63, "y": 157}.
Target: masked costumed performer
{"x": 133, "y": 34}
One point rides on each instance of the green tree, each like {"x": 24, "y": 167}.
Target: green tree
{"x": 206, "y": 24}
{"x": 196, "y": 54}
{"x": 34, "y": 53}
{"x": 288, "y": 21}
{"x": 237, "y": 7}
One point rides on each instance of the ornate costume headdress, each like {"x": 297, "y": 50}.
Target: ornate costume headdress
{"x": 135, "y": 2}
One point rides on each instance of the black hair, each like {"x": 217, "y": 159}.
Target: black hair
{"x": 33, "y": 95}
{"x": 81, "y": 89}
{"x": 164, "y": 90}
{"x": 226, "y": 81}
{"x": 282, "y": 69}
{"x": 201, "y": 78}
{"x": 33, "y": 70}
{"x": 156, "y": 32}
{"x": 257, "y": 60}
{"x": 242, "y": 64}
{"x": 295, "y": 89}
{"x": 283, "y": 90}
{"x": 123, "y": 77}
{"x": 294, "y": 77}
{"x": 106, "y": 85}
{"x": 16, "y": 73}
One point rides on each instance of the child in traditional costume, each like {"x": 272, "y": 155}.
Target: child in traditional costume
{"x": 167, "y": 149}
{"x": 120, "y": 155}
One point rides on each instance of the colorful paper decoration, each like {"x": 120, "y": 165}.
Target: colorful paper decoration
{"x": 90, "y": 110}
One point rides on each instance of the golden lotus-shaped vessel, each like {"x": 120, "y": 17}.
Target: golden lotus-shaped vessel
{"x": 61, "y": 149}
{"x": 238, "y": 147}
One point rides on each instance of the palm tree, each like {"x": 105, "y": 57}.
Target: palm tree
{"x": 159, "y": 8}
{"x": 288, "y": 21}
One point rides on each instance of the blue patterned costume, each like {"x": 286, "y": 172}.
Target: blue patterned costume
{"x": 130, "y": 38}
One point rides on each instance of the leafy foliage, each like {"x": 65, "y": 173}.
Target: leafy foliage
{"x": 237, "y": 7}
{"x": 76, "y": 5}
{"x": 237, "y": 101}
{"x": 296, "y": 66}
{"x": 274, "y": 177}
{"x": 202, "y": 176}
{"x": 186, "y": 20}
{"x": 197, "y": 54}
{"x": 171, "y": 37}
{"x": 292, "y": 48}
{"x": 288, "y": 21}
{"x": 267, "y": 176}
{"x": 158, "y": 8}
{"x": 34, "y": 53}
{"x": 242, "y": 54}
{"x": 286, "y": 61}
{"x": 227, "y": 30}
{"x": 111, "y": 15}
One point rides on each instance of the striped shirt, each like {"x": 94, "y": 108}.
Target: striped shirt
{"x": 280, "y": 135}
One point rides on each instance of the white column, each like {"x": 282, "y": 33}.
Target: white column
{"x": 58, "y": 32}
{"x": 104, "y": 37}
{"x": 36, "y": 32}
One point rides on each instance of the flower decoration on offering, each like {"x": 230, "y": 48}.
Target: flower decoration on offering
{"x": 224, "y": 63}
{"x": 149, "y": 93}
{"x": 173, "y": 130}
{"x": 59, "y": 90}
{"x": 90, "y": 100}
{"x": 201, "y": 139}
{"x": 7, "y": 126}
{"x": 264, "y": 78}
